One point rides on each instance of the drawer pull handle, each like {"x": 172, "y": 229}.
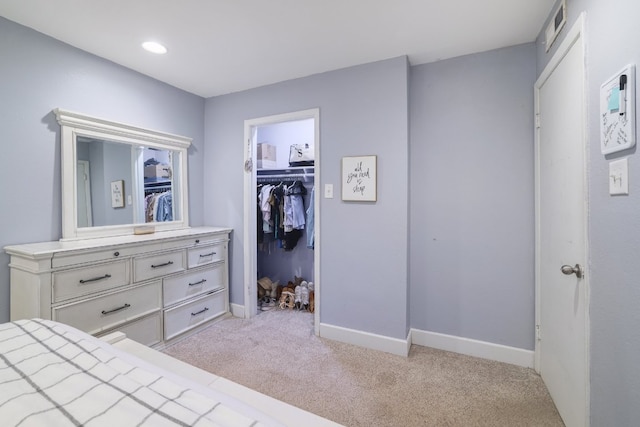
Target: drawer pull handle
{"x": 198, "y": 283}
{"x": 161, "y": 265}
{"x": 206, "y": 255}
{"x": 95, "y": 279}
{"x": 105, "y": 312}
{"x": 199, "y": 312}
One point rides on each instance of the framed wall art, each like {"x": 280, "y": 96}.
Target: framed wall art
{"x": 117, "y": 194}
{"x": 359, "y": 180}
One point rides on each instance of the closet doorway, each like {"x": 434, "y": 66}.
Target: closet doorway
{"x": 281, "y": 256}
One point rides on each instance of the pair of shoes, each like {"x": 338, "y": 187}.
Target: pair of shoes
{"x": 287, "y": 298}
{"x": 312, "y": 301}
{"x": 298, "y": 297}
{"x": 267, "y": 287}
{"x": 304, "y": 296}
{"x": 301, "y": 300}
{"x": 268, "y": 305}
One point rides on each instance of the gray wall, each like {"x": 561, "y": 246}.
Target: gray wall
{"x": 613, "y": 41}
{"x": 106, "y": 165}
{"x": 363, "y": 110}
{"x": 471, "y": 199}
{"x": 38, "y": 74}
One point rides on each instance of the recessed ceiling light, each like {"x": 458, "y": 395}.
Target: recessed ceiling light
{"x": 154, "y": 47}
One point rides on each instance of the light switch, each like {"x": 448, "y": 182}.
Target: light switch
{"x": 129, "y": 199}
{"x": 328, "y": 191}
{"x": 619, "y": 177}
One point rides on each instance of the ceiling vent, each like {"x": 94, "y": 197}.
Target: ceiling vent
{"x": 556, "y": 24}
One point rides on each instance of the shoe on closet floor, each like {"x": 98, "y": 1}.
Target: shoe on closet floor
{"x": 304, "y": 296}
{"x": 298, "y": 297}
{"x": 286, "y": 299}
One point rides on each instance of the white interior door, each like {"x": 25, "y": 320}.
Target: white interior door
{"x": 562, "y": 292}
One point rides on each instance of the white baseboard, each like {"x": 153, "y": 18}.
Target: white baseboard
{"x": 237, "y": 310}
{"x": 469, "y": 347}
{"x": 365, "y": 339}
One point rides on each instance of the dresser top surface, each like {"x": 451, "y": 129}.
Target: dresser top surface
{"x": 47, "y": 248}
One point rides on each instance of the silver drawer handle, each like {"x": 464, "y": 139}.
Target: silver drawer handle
{"x": 161, "y": 265}
{"x": 206, "y": 255}
{"x": 199, "y": 312}
{"x": 106, "y": 276}
{"x": 116, "y": 309}
{"x": 198, "y": 283}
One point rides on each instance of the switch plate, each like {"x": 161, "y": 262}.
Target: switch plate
{"x": 619, "y": 177}
{"x": 328, "y": 191}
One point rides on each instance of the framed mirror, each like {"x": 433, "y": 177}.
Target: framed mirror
{"x": 118, "y": 179}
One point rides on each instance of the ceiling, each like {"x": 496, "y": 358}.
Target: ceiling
{"x": 223, "y": 46}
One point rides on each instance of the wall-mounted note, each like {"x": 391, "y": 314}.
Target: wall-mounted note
{"x": 359, "y": 181}
{"x": 617, "y": 124}
{"x": 614, "y": 99}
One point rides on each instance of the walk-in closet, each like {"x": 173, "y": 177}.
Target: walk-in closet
{"x": 283, "y": 236}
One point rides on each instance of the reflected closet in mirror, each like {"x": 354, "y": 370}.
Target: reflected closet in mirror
{"x": 117, "y": 177}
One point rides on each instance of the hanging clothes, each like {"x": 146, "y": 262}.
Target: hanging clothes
{"x": 294, "y": 221}
{"x": 265, "y": 207}
{"x": 281, "y": 213}
{"x": 158, "y": 207}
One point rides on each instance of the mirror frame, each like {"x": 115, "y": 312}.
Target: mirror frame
{"x": 74, "y": 124}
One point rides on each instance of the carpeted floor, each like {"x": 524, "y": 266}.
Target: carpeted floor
{"x": 278, "y": 354}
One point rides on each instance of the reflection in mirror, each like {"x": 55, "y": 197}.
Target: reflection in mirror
{"x": 158, "y": 186}
{"x": 107, "y": 162}
{"x": 116, "y": 177}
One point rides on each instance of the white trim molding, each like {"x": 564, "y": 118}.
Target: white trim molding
{"x": 400, "y": 347}
{"x": 470, "y": 347}
{"x": 395, "y": 346}
{"x": 237, "y": 310}
{"x": 250, "y": 238}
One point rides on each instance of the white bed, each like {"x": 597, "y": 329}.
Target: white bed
{"x": 55, "y": 375}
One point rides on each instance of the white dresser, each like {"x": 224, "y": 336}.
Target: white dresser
{"x": 152, "y": 287}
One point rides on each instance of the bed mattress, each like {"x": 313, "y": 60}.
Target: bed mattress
{"x": 54, "y": 375}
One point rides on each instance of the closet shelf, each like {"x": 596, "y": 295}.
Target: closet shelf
{"x": 291, "y": 170}
{"x": 300, "y": 172}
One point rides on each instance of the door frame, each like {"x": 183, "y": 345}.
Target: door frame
{"x": 250, "y": 216}
{"x": 575, "y": 35}
{"x": 86, "y": 189}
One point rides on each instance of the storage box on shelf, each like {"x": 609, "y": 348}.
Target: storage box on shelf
{"x": 266, "y": 156}
{"x": 153, "y": 287}
{"x": 157, "y": 171}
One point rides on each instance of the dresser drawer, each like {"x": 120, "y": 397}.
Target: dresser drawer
{"x": 189, "y": 315}
{"x": 158, "y": 265}
{"x": 204, "y": 255}
{"x": 185, "y": 286}
{"x": 108, "y": 311}
{"x": 147, "y": 331}
{"x": 88, "y": 280}
{"x": 65, "y": 260}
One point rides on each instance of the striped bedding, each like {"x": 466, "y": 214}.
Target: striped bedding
{"x": 54, "y": 375}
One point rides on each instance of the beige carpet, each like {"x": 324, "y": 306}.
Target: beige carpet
{"x": 278, "y": 354}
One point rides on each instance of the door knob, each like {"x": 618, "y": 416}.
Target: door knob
{"x": 568, "y": 270}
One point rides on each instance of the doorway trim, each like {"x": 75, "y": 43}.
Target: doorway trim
{"x": 576, "y": 34}
{"x": 250, "y": 201}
